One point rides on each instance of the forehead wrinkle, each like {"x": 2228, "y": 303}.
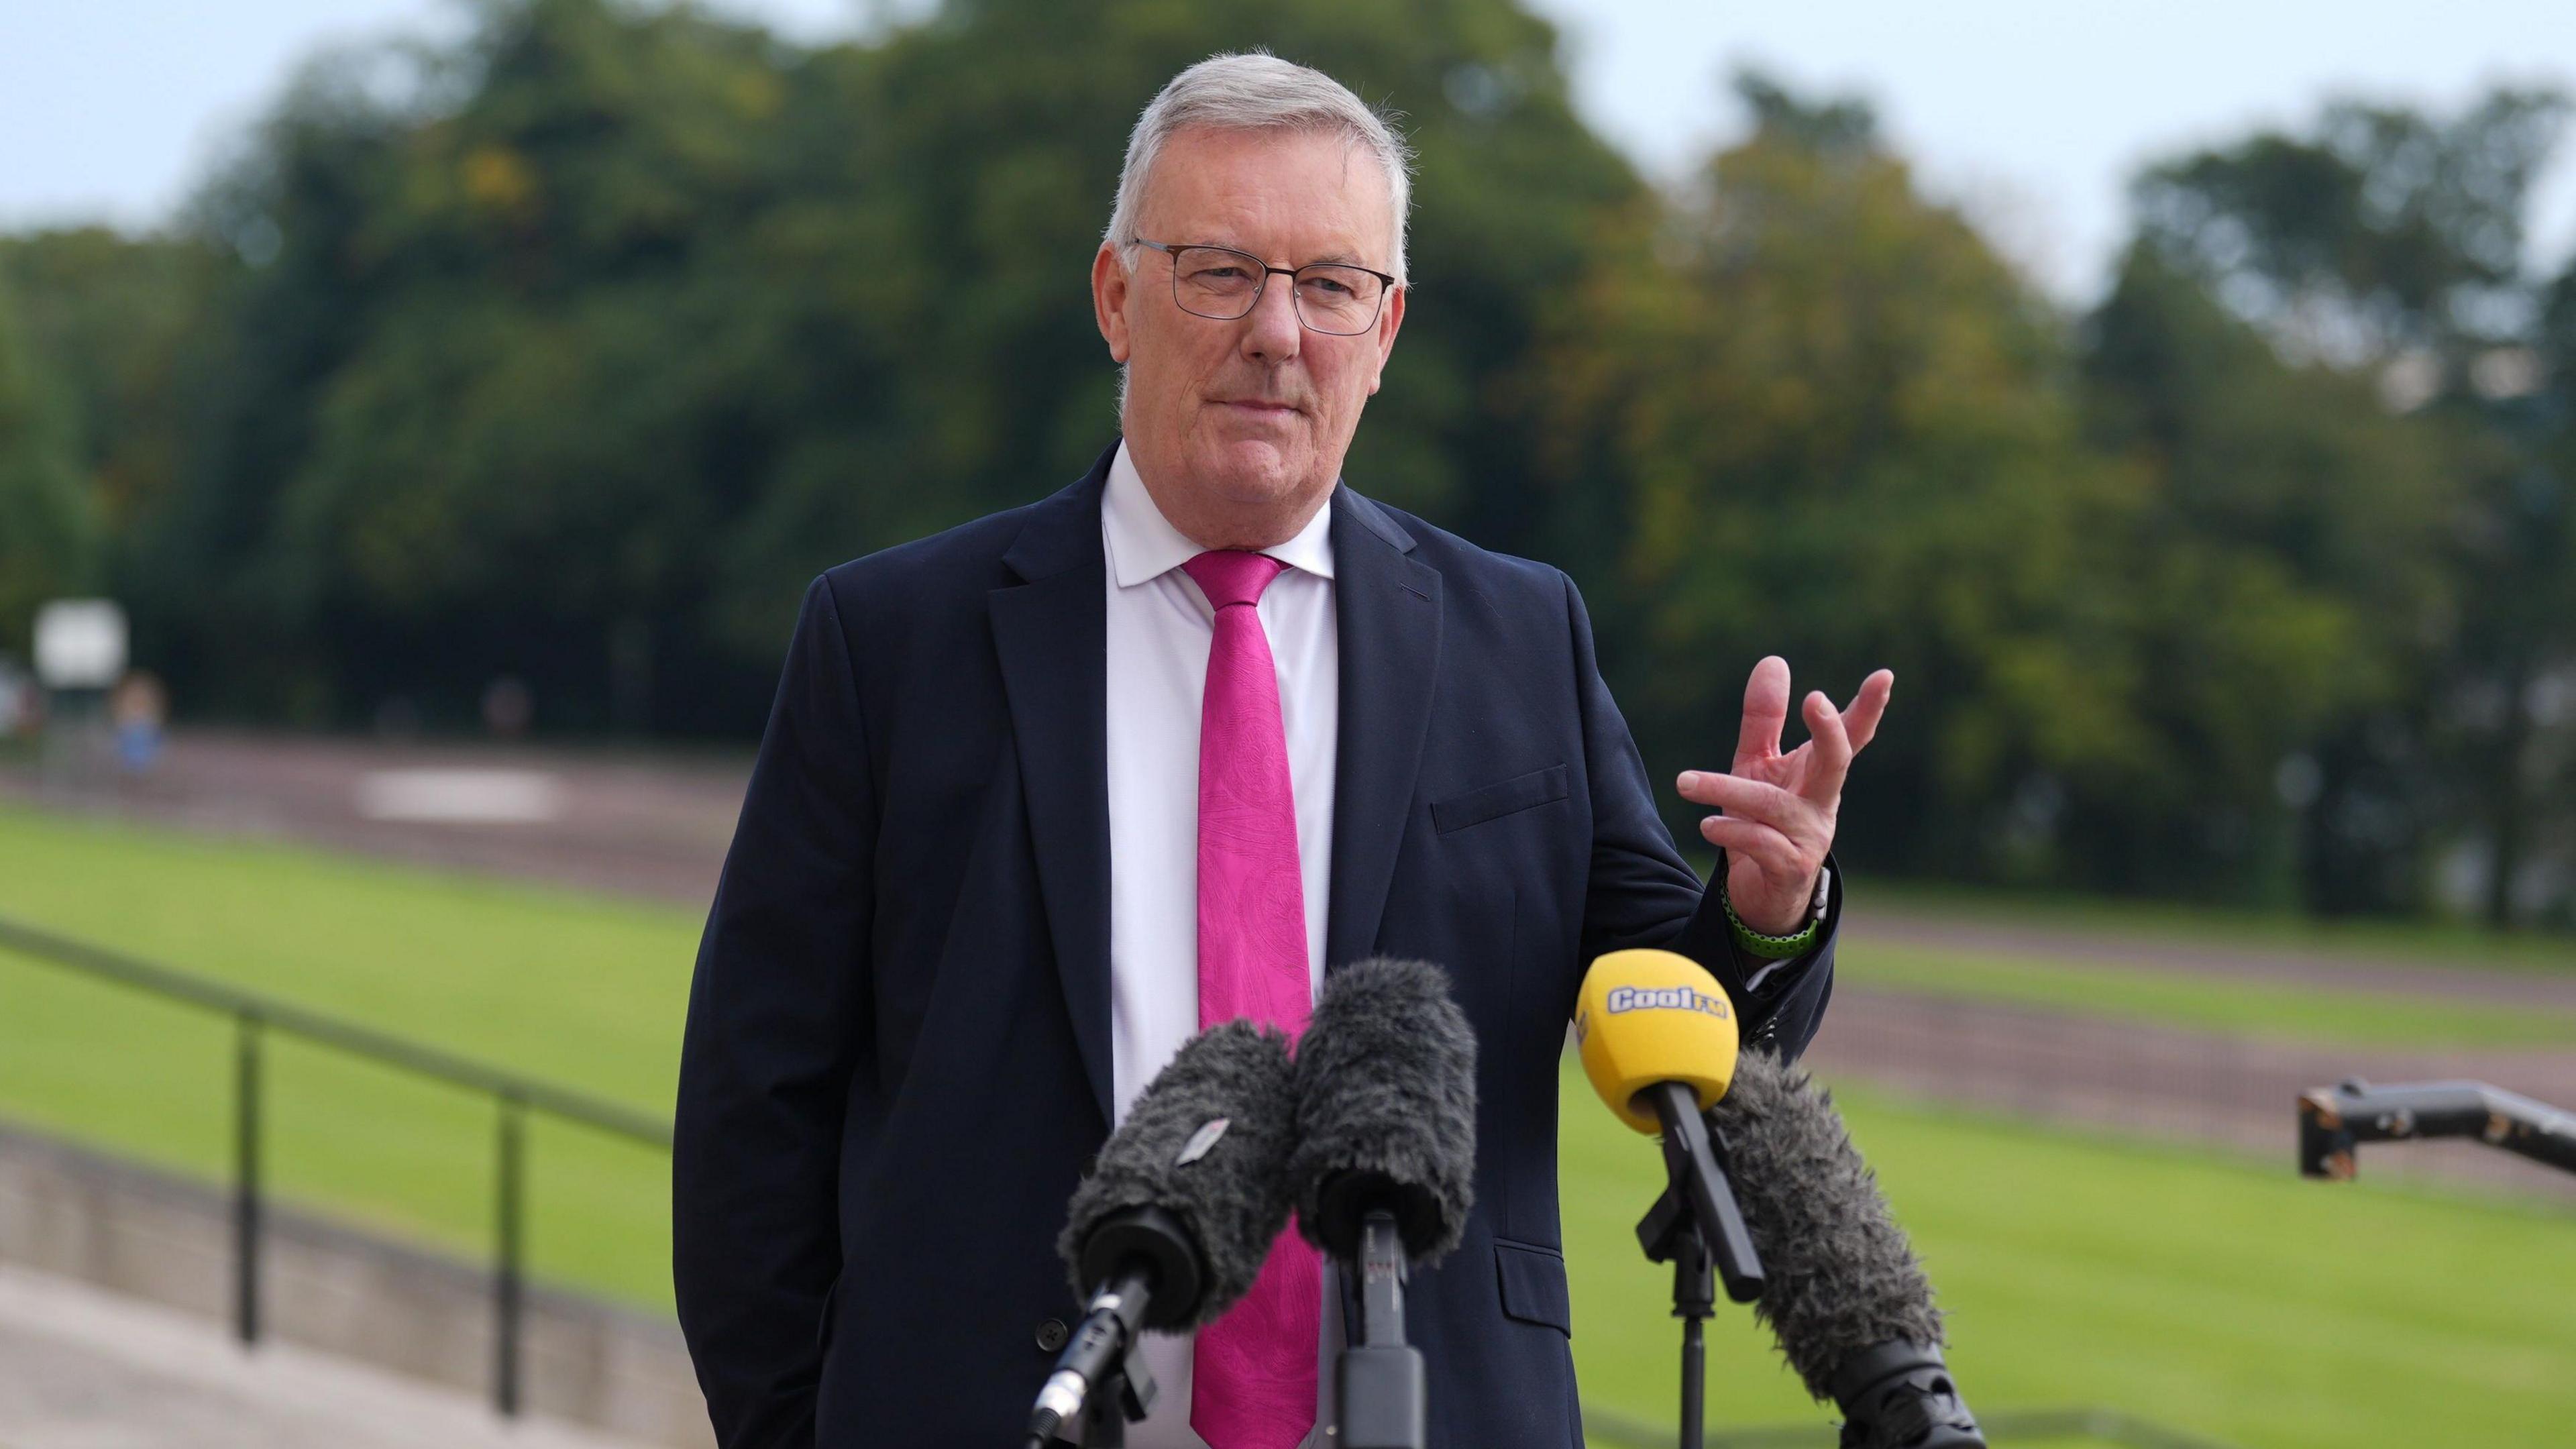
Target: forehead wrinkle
{"x": 1237, "y": 214}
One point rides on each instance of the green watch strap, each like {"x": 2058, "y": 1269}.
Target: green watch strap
{"x": 1773, "y": 948}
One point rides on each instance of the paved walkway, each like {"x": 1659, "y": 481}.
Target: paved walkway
{"x": 641, "y": 824}
{"x": 85, "y": 1369}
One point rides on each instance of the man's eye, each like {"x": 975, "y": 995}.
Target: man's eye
{"x": 1337, "y": 290}
{"x": 1219, "y": 274}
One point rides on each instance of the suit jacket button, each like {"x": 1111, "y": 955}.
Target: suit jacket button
{"x": 1052, "y": 1334}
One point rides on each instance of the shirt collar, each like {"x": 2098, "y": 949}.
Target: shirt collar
{"x": 1143, "y": 544}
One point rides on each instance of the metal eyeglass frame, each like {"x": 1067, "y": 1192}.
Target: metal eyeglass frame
{"x": 1174, "y": 249}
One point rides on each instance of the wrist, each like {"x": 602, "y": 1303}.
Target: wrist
{"x": 1776, "y": 945}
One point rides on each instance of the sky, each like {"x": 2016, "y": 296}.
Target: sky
{"x": 2028, "y": 114}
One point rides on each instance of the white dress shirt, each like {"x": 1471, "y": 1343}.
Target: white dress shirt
{"x": 1160, "y": 629}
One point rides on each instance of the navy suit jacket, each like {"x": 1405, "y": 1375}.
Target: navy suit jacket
{"x": 897, "y": 1053}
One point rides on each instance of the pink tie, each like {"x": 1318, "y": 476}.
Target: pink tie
{"x": 1253, "y": 1374}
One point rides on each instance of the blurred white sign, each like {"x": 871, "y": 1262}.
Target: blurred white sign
{"x": 461, "y": 796}
{"x": 80, "y": 644}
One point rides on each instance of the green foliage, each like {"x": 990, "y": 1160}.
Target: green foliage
{"x": 2389, "y": 244}
{"x": 571, "y": 351}
{"x": 1839, "y": 433}
{"x": 2381, "y": 227}
{"x": 2290, "y": 514}
{"x": 1847, "y": 432}
{"x": 628, "y": 320}
{"x": 117, "y": 322}
{"x": 49, "y": 532}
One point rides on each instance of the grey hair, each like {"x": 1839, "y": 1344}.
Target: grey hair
{"x": 1256, "y": 91}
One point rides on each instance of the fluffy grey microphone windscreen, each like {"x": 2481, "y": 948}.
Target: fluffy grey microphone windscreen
{"x": 1839, "y": 1275}
{"x": 1226, "y": 1184}
{"x": 1386, "y": 1110}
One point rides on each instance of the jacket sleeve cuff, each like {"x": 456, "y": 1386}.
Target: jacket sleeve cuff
{"x": 1757, "y": 980}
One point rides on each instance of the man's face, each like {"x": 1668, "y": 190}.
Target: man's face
{"x": 1248, "y": 420}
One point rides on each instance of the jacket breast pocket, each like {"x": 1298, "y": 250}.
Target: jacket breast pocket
{"x": 1503, "y": 797}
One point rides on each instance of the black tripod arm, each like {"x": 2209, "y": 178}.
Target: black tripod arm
{"x": 1698, "y": 1169}
{"x": 2334, "y": 1120}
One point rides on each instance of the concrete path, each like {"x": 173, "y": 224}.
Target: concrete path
{"x": 85, "y": 1369}
{"x": 643, "y": 824}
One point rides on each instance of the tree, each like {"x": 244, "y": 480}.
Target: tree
{"x": 1840, "y": 432}
{"x": 2390, "y": 244}
{"x": 2290, "y": 486}
{"x": 613, "y": 326}
{"x": 48, "y": 526}
{"x": 118, "y": 327}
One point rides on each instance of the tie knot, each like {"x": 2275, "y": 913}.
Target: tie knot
{"x": 1230, "y": 576}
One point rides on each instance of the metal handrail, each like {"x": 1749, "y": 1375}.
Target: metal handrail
{"x": 515, "y": 1096}
{"x": 331, "y": 1031}
{"x": 254, "y": 1015}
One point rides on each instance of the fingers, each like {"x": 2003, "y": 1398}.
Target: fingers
{"x": 1860, "y": 722}
{"x": 1834, "y": 750}
{"x": 1766, "y": 710}
{"x": 1767, "y": 848}
{"x": 1738, "y": 796}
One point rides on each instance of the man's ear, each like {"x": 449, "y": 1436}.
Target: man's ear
{"x": 1387, "y": 326}
{"x": 1109, "y": 285}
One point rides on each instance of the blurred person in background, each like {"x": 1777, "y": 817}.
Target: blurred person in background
{"x": 139, "y": 712}
{"x": 1043, "y": 796}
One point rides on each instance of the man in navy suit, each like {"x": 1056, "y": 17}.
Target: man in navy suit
{"x": 1044, "y": 795}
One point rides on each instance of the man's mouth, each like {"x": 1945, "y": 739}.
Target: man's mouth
{"x": 1261, "y": 407}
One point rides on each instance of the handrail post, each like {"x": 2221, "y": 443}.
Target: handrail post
{"x": 509, "y": 1183}
{"x": 246, "y": 1186}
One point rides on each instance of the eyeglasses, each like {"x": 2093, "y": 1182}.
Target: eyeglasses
{"x": 1222, "y": 284}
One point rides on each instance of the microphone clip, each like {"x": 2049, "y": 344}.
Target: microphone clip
{"x": 1101, "y": 1382}
{"x": 1140, "y": 1257}
{"x": 1696, "y": 1225}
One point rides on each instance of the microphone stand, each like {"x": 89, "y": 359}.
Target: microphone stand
{"x": 1124, "y": 1387}
{"x": 1377, "y": 1384}
{"x": 1697, "y": 1227}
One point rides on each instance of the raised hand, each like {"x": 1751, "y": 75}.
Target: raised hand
{"x": 1779, "y": 809}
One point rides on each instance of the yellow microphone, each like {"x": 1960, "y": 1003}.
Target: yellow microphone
{"x": 1658, "y": 1039}
{"x": 1646, "y": 1017}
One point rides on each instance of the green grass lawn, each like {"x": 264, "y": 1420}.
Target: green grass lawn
{"x": 584, "y": 991}
{"x": 2223, "y": 1297}
{"x": 2209, "y": 1294}
{"x": 2401, "y": 943}
{"x": 2204, "y": 1001}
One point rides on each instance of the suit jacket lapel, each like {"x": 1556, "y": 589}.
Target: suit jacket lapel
{"x": 1388, "y": 605}
{"x": 1051, "y": 633}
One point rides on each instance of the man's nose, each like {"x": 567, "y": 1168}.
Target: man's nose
{"x": 1271, "y": 331}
